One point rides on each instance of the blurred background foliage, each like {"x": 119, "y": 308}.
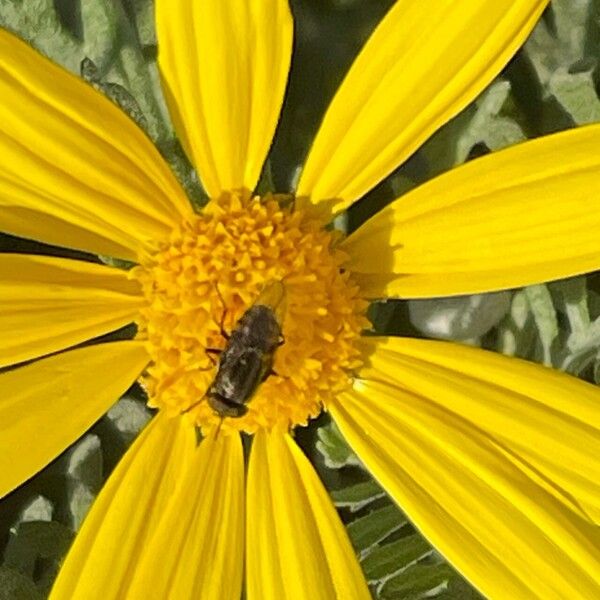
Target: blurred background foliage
{"x": 551, "y": 84}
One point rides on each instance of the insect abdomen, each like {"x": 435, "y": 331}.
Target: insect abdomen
{"x": 245, "y": 362}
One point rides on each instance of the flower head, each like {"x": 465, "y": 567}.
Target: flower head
{"x": 200, "y": 282}
{"x": 493, "y": 459}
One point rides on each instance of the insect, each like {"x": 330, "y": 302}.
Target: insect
{"x": 247, "y": 359}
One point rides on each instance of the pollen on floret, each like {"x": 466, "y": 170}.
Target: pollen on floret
{"x": 210, "y": 271}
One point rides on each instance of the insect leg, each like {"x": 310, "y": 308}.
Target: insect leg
{"x": 274, "y": 372}
{"x": 211, "y": 352}
{"x": 219, "y": 428}
{"x": 224, "y": 314}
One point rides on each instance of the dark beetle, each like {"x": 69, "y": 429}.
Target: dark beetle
{"x": 247, "y": 359}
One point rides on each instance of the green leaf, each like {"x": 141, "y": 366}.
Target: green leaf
{"x": 116, "y": 92}
{"x": 389, "y": 558}
{"x": 483, "y": 122}
{"x": 374, "y": 527}
{"x": 417, "y": 581}
{"x": 334, "y": 449}
{"x": 580, "y": 349}
{"x": 141, "y": 79}
{"x": 39, "y": 509}
{"x": 119, "y": 263}
{"x": 545, "y": 317}
{"x": 387, "y": 316}
{"x": 173, "y": 153}
{"x": 102, "y": 22}
{"x": 38, "y": 22}
{"x": 580, "y": 360}
{"x": 576, "y": 93}
{"x": 583, "y": 348}
{"x": 35, "y": 549}
{"x": 519, "y": 309}
{"x": 459, "y": 589}
{"x": 565, "y": 41}
{"x": 574, "y": 296}
{"x": 596, "y": 370}
{"x": 128, "y": 77}
{"x": 517, "y": 333}
{"x": 16, "y": 586}
{"x": 129, "y": 416}
{"x": 266, "y": 183}
{"x": 356, "y": 497}
{"x": 460, "y": 317}
{"x": 35, "y": 539}
{"x": 144, "y": 21}
{"x": 488, "y": 126}
{"x": 85, "y": 462}
{"x": 84, "y": 477}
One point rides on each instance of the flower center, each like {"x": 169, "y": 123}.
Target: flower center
{"x": 250, "y": 318}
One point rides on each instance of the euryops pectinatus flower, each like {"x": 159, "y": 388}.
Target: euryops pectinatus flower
{"x": 495, "y": 460}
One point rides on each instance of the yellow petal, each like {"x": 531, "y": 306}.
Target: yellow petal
{"x": 421, "y": 66}
{"x": 74, "y": 169}
{"x": 224, "y": 67}
{"x": 48, "y": 304}
{"x": 547, "y": 418}
{"x": 197, "y": 550}
{"x": 516, "y": 217}
{"x": 482, "y": 505}
{"x": 47, "y": 405}
{"x": 106, "y": 551}
{"x": 296, "y": 544}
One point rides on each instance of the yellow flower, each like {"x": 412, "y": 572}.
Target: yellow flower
{"x": 494, "y": 459}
